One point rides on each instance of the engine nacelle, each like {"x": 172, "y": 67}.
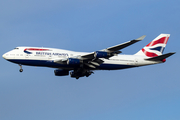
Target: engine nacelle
{"x": 61, "y": 72}
{"x": 73, "y": 61}
{"x": 102, "y": 54}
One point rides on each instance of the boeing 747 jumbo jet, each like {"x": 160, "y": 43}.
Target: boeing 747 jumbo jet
{"x": 80, "y": 64}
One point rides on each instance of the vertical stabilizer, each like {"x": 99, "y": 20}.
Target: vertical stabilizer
{"x": 155, "y": 47}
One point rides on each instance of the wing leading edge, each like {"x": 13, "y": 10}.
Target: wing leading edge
{"x": 114, "y": 49}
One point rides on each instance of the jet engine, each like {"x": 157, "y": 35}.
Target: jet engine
{"x": 61, "y": 72}
{"x": 73, "y": 61}
{"x": 102, "y": 54}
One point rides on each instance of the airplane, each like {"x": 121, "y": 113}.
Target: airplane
{"x": 80, "y": 64}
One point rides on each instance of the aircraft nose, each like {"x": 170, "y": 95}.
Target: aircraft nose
{"x": 4, "y": 56}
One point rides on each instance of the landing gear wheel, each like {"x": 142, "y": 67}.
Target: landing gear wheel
{"x": 77, "y": 77}
{"x": 21, "y": 70}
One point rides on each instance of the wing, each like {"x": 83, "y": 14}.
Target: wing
{"x": 126, "y": 44}
{"x": 114, "y": 49}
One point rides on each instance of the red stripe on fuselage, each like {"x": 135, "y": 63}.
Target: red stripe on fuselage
{"x": 36, "y": 49}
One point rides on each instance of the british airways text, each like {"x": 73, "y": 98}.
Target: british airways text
{"x": 48, "y": 53}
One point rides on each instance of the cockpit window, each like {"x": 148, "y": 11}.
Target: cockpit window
{"x": 16, "y": 48}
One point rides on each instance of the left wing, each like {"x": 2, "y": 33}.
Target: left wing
{"x": 111, "y": 51}
{"x": 126, "y": 44}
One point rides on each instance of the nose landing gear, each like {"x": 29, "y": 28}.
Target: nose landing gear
{"x": 20, "y": 70}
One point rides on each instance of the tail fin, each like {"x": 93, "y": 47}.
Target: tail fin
{"x": 155, "y": 47}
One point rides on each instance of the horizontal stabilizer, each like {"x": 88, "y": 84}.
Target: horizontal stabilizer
{"x": 161, "y": 57}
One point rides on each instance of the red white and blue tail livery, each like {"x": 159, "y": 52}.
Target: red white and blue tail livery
{"x": 80, "y": 64}
{"x": 155, "y": 47}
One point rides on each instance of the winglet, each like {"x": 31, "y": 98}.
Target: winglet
{"x": 141, "y": 38}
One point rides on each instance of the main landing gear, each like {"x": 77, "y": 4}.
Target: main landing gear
{"x": 20, "y": 70}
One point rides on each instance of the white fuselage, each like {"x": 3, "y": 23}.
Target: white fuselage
{"x": 35, "y": 56}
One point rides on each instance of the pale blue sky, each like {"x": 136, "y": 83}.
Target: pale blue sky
{"x": 145, "y": 93}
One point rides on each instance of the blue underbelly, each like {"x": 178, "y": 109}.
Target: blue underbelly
{"x": 51, "y": 63}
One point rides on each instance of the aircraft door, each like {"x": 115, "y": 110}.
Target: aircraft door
{"x": 27, "y": 55}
